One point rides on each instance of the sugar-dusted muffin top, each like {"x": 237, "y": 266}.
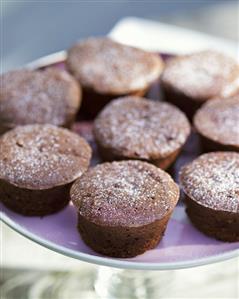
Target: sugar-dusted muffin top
{"x": 201, "y": 75}
{"x": 231, "y": 88}
{"x": 108, "y": 67}
{"x": 42, "y": 156}
{"x": 218, "y": 120}
{"x": 212, "y": 180}
{"x": 135, "y": 127}
{"x": 126, "y": 193}
{"x": 33, "y": 96}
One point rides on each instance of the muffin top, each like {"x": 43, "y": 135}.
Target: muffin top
{"x": 200, "y": 75}
{"x": 126, "y": 193}
{"x": 212, "y": 180}
{"x": 34, "y": 96}
{"x": 108, "y": 67}
{"x": 231, "y": 88}
{"x": 218, "y": 120}
{"x": 42, "y": 156}
{"x": 135, "y": 127}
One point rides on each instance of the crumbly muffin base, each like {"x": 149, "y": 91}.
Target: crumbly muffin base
{"x": 34, "y": 202}
{"x": 94, "y": 102}
{"x": 4, "y": 128}
{"x": 221, "y": 225}
{"x": 188, "y": 105}
{"x": 209, "y": 145}
{"x": 163, "y": 163}
{"x": 122, "y": 242}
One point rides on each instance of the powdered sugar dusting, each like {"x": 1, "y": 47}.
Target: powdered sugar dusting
{"x": 213, "y": 180}
{"x": 231, "y": 88}
{"x": 28, "y": 97}
{"x": 111, "y": 192}
{"x": 200, "y": 75}
{"x": 112, "y": 68}
{"x": 218, "y": 120}
{"x": 42, "y": 156}
{"x": 138, "y": 128}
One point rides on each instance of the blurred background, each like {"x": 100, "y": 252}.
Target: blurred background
{"x": 31, "y": 29}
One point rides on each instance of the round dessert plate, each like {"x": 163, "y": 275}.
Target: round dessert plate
{"x": 183, "y": 245}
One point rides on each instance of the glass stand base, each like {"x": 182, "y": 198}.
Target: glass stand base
{"x": 88, "y": 283}
{"x": 132, "y": 284}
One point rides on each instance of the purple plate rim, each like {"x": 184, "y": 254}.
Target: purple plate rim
{"x": 105, "y": 261}
{"x": 116, "y": 263}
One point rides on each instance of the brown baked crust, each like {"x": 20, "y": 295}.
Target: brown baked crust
{"x": 34, "y": 202}
{"x": 190, "y": 80}
{"x": 122, "y": 242}
{"x": 94, "y": 102}
{"x": 231, "y": 88}
{"x": 124, "y": 206}
{"x": 32, "y": 96}
{"x": 221, "y": 225}
{"x": 183, "y": 102}
{"x": 107, "y": 154}
{"x": 137, "y": 128}
{"x": 211, "y": 186}
{"x": 107, "y": 67}
{"x": 38, "y": 164}
{"x": 217, "y": 122}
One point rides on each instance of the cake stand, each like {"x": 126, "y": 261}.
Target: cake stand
{"x": 183, "y": 246}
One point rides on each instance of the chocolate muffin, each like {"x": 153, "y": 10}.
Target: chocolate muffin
{"x": 231, "y": 88}
{"x": 217, "y": 123}
{"x": 190, "y": 80}
{"x": 38, "y": 164}
{"x": 124, "y": 207}
{"x": 107, "y": 69}
{"x": 38, "y": 97}
{"x": 211, "y": 186}
{"x": 137, "y": 128}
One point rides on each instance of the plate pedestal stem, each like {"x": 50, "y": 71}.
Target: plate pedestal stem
{"x": 132, "y": 284}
